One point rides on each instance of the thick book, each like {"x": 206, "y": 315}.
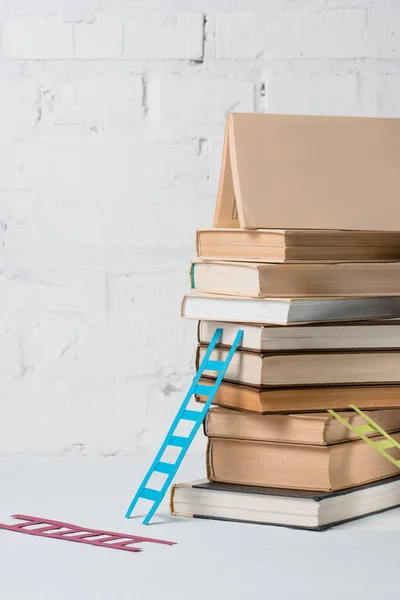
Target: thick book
{"x": 364, "y": 334}
{"x": 319, "y": 429}
{"x": 287, "y": 311}
{"x": 308, "y": 368}
{"x": 309, "y": 172}
{"x": 273, "y": 506}
{"x": 302, "y": 399}
{"x": 298, "y": 466}
{"x": 271, "y": 280}
{"x": 293, "y": 245}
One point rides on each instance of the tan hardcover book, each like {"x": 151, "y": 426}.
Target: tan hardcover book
{"x": 268, "y": 280}
{"x": 319, "y": 429}
{"x": 317, "y": 368}
{"x": 298, "y": 466}
{"x": 302, "y": 399}
{"x": 288, "y": 245}
{"x": 309, "y": 172}
{"x": 287, "y": 311}
{"x": 325, "y": 336}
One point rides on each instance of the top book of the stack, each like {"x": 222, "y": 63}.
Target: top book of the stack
{"x": 310, "y": 172}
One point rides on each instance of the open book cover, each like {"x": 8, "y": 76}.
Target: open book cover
{"x": 310, "y": 172}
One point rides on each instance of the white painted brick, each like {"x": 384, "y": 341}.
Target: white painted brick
{"x": 11, "y": 362}
{"x": 383, "y": 33}
{"x": 100, "y": 39}
{"x": 199, "y": 97}
{"x": 101, "y": 166}
{"x": 58, "y": 290}
{"x": 292, "y": 34}
{"x": 164, "y": 36}
{"x": 37, "y": 38}
{"x": 19, "y": 102}
{"x": 38, "y": 416}
{"x": 313, "y": 93}
{"x": 100, "y": 101}
{"x": 49, "y": 346}
{"x": 388, "y": 95}
{"x": 239, "y": 34}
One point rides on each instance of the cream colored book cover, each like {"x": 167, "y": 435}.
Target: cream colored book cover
{"x": 315, "y": 172}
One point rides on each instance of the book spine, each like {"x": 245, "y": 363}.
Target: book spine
{"x": 198, "y": 250}
{"x": 183, "y": 306}
{"x": 191, "y": 274}
{"x": 209, "y": 467}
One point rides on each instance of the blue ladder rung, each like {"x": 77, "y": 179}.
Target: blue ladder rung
{"x": 214, "y": 365}
{"x": 178, "y": 441}
{"x": 149, "y": 494}
{"x": 167, "y": 468}
{"x": 204, "y": 390}
{"x": 192, "y": 415}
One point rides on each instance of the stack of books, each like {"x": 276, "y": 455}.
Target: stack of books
{"x": 318, "y": 300}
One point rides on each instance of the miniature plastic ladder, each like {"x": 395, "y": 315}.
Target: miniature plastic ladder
{"x": 196, "y": 416}
{"x": 370, "y": 426}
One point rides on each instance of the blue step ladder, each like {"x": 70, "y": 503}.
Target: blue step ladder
{"x": 195, "y": 416}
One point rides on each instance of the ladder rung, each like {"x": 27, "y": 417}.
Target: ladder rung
{"x": 192, "y": 415}
{"x": 214, "y": 365}
{"x": 384, "y": 445}
{"x": 149, "y": 494}
{"x": 167, "y": 468}
{"x": 204, "y": 390}
{"x": 363, "y": 429}
{"x": 178, "y": 441}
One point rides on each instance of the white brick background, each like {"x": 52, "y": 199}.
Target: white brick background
{"x": 111, "y": 122}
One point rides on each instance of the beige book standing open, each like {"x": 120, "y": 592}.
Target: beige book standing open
{"x": 309, "y": 172}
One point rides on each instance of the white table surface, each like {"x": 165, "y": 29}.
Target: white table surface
{"x": 212, "y": 559}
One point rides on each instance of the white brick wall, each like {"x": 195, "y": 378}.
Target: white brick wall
{"x": 111, "y": 124}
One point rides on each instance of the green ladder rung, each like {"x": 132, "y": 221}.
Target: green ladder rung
{"x": 382, "y": 445}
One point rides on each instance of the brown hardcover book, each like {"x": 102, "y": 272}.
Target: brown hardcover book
{"x": 304, "y": 399}
{"x": 267, "y": 280}
{"x": 319, "y": 429}
{"x": 326, "y": 336}
{"x": 288, "y": 245}
{"x": 275, "y": 369}
{"x": 297, "y": 466}
{"x": 309, "y": 172}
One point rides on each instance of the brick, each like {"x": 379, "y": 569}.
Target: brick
{"x": 11, "y": 361}
{"x": 101, "y": 38}
{"x": 49, "y": 346}
{"x": 239, "y": 34}
{"x": 19, "y": 102}
{"x": 383, "y": 33}
{"x": 388, "y": 95}
{"x": 165, "y": 36}
{"x": 199, "y": 98}
{"x": 100, "y": 101}
{"x": 38, "y": 415}
{"x": 313, "y": 93}
{"x": 57, "y": 290}
{"x": 330, "y": 33}
{"x": 72, "y": 167}
{"x": 37, "y": 38}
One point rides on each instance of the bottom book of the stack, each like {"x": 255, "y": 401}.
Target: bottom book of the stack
{"x": 290, "y": 508}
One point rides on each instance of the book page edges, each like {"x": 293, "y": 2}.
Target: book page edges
{"x": 226, "y": 207}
